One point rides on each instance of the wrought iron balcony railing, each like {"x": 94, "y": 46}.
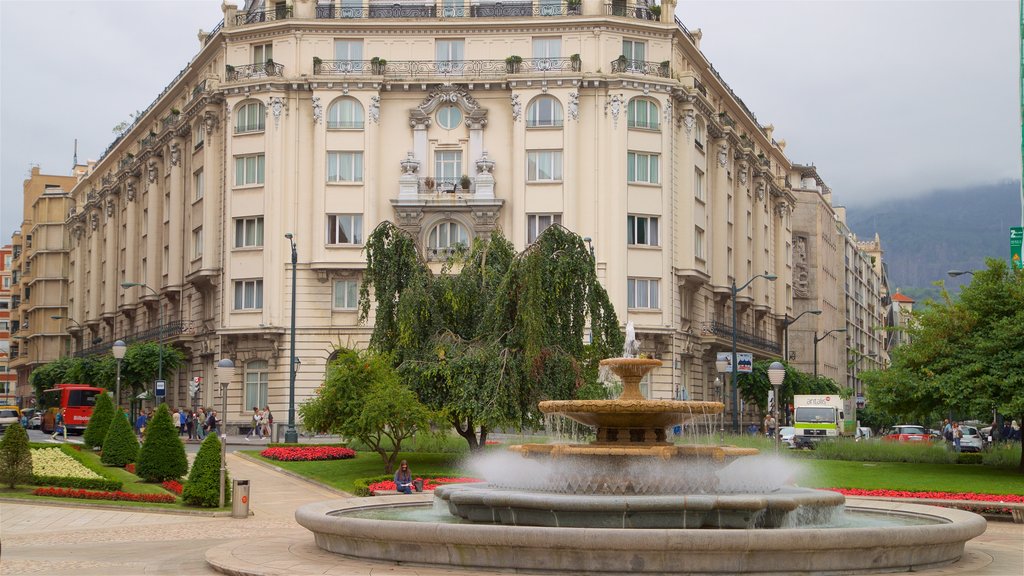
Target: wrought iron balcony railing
{"x": 125, "y": 163}
{"x": 343, "y": 67}
{"x": 279, "y": 12}
{"x": 199, "y": 88}
{"x": 170, "y": 329}
{"x": 638, "y": 10}
{"x": 431, "y": 185}
{"x": 419, "y": 68}
{"x": 424, "y": 10}
{"x": 233, "y": 73}
{"x": 627, "y": 66}
{"x": 723, "y": 330}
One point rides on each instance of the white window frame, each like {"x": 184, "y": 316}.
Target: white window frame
{"x": 344, "y": 167}
{"x": 698, "y": 134}
{"x": 198, "y": 135}
{"x": 643, "y": 168}
{"x": 257, "y": 383}
{"x": 447, "y": 165}
{"x": 198, "y": 185}
{"x": 543, "y": 165}
{"x": 698, "y": 243}
{"x": 197, "y": 243}
{"x": 250, "y": 170}
{"x": 336, "y": 228}
{"x": 250, "y": 117}
{"x": 446, "y": 235}
{"x": 698, "y": 184}
{"x": 345, "y": 114}
{"x": 547, "y": 49}
{"x": 635, "y": 52}
{"x": 249, "y": 232}
{"x": 348, "y": 50}
{"x": 248, "y": 294}
{"x": 348, "y": 291}
{"x": 544, "y": 112}
{"x": 450, "y": 49}
{"x": 642, "y": 231}
{"x": 449, "y": 117}
{"x": 262, "y": 52}
{"x": 536, "y": 224}
{"x": 650, "y": 111}
{"x": 643, "y": 293}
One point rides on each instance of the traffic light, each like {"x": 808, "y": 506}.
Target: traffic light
{"x": 193, "y": 386}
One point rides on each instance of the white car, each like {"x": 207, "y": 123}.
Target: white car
{"x": 971, "y": 441}
{"x": 787, "y": 433}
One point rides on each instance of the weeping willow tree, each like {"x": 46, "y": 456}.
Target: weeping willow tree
{"x": 495, "y": 332}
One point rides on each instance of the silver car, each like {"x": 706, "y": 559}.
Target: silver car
{"x": 786, "y": 434}
{"x": 971, "y": 441}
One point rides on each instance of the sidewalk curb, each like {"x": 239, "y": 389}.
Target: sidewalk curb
{"x": 72, "y": 503}
{"x": 280, "y": 470}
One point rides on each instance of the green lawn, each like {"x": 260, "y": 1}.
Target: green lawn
{"x": 914, "y": 477}
{"x": 341, "y": 474}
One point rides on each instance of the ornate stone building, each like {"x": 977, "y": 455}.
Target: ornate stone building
{"x": 453, "y": 120}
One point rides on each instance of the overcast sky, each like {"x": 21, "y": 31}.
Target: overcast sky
{"x": 886, "y": 98}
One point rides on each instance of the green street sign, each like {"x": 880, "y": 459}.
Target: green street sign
{"x": 1016, "y": 237}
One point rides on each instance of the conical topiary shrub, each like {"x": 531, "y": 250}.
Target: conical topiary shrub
{"x": 203, "y": 485}
{"x": 163, "y": 455}
{"x": 120, "y": 445}
{"x": 15, "y": 457}
{"x": 99, "y": 422}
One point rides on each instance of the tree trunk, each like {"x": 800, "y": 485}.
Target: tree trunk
{"x": 468, "y": 431}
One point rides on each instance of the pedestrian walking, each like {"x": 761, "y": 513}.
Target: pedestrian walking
{"x": 257, "y": 424}
{"x": 201, "y": 428}
{"x": 211, "y": 422}
{"x": 182, "y": 417}
{"x": 268, "y": 421}
{"x": 957, "y": 435}
{"x": 769, "y": 425}
{"x": 60, "y": 426}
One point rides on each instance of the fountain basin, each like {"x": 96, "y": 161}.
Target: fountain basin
{"x": 656, "y": 550}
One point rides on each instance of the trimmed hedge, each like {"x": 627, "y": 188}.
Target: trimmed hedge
{"x": 970, "y": 458}
{"x": 99, "y": 422}
{"x": 120, "y": 445}
{"x": 162, "y": 456}
{"x": 87, "y": 483}
{"x": 203, "y": 485}
{"x": 306, "y": 445}
{"x": 15, "y": 457}
{"x": 362, "y": 485}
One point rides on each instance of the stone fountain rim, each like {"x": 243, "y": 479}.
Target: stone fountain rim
{"x": 630, "y": 406}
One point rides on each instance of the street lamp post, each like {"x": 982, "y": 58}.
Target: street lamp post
{"x": 856, "y": 384}
{"x": 721, "y": 366}
{"x": 776, "y": 375}
{"x": 785, "y": 331}
{"x": 160, "y": 327}
{"x": 225, "y": 369}
{"x": 735, "y": 372}
{"x": 291, "y": 436}
{"x": 816, "y": 340}
{"x": 69, "y": 319}
{"x": 118, "y": 349}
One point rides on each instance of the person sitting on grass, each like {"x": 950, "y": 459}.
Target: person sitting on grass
{"x": 403, "y": 478}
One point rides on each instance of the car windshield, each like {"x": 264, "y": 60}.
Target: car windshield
{"x": 787, "y": 430}
{"x": 909, "y": 430}
{"x": 8, "y": 413}
{"x": 970, "y": 431}
{"x": 815, "y": 415}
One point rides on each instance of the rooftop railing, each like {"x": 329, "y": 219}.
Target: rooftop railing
{"x": 638, "y": 10}
{"x": 279, "y": 12}
{"x": 428, "y": 10}
{"x": 232, "y": 73}
{"x": 647, "y": 68}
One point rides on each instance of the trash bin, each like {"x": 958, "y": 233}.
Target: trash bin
{"x": 240, "y": 499}
{"x": 418, "y": 484}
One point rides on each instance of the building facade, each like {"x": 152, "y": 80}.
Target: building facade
{"x": 39, "y": 281}
{"x": 8, "y": 379}
{"x": 452, "y": 120}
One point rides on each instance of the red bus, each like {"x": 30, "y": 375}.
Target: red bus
{"x": 77, "y": 401}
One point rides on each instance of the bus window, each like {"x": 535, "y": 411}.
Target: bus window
{"x": 82, "y": 397}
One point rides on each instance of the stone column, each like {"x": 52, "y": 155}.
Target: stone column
{"x": 154, "y": 225}
{"x": 718, "y": 195}
{"x": 176, "y": 240}
{"x": 758, "y": 246}
{"x": 93, "y": 224}
{"x": 111, "y": 236}
{"x": 781, "y": 235}
{"x": 131, "y": 246}
{"x": 213, "y": 185}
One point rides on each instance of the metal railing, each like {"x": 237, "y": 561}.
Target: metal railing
{"x": 757, "y": 340}
{"x": 169, "y": 330}
{"x": 431, "y": 185}
{"x": 279, "y": 12}
{"x": 638, "y": 10}
{"x": 645, "y": 67}
{"x": 342, "y": 67}
{"x": 232, "y": 73}
{"x": 199, "y": 89}
{"x": 424, "y": 10}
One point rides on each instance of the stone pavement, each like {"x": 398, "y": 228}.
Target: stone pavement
{"x": 59, "y": 540}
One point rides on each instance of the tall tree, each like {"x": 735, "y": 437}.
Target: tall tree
{"x": 495, "y": 332}
{"x": 963, "y": 354}
{"x": 754, "y": 387}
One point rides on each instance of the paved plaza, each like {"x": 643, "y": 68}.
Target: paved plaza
{"x": 43, "y": 539}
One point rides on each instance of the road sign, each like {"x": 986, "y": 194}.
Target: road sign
{"x": 1016, "y": 238}
{"x": 161, "y": 388}
{"x": 727, "y": 358}
{"x": 745, "y": 361}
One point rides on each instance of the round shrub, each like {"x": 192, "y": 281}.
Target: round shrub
{"x": 120, "y": 445}
{"x": 203, "y": 485}
{"x": 163, "y": 455}
{"x": 99, "y": 422}
{"x": 15, "y": 457}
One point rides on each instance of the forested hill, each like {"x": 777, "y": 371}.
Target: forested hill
{"x": 925, "y": 236}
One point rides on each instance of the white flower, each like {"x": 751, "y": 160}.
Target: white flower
{"x": 54, "y": 462}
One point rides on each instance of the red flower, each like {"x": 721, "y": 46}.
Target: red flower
{"x": 97, "y": 495}
{"x": 173, "y": 486}
{"x": 428, "y": 484}
{"x": 130, "y": 467}
{"x": 308, "y": 453}
{"x": 972, "y": 496}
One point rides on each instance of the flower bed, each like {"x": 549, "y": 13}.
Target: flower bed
{"x": 428, "y": 483}
{"x": 54, "y": 462}
{"x": 94, "y": 495}
{"x": 995, "y": 499}
{"x": 173, "y": 486}
{"x": 308, "y": 453}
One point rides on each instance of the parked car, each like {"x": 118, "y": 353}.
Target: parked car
{"x": 862, "y": 433}
{"x": 34, "y": 417}
{"x": 971, "y": 441}
{"x": 9, "y": 415}
{"x": 908, "y": 433}
{"x": 786, "y": 434}
{"x": 986, "y": 435}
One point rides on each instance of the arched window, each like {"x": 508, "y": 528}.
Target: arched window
{"x": 642, "y": 113}
{"x": 445, "y": 237}
{"x": 545, "y": 111}
{"x": 345, "y": 113}
{"x": 257, "y": 381}
{"x": 250, "y": 117}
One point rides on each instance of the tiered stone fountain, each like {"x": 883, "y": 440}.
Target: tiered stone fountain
{"x": 633, "y": 502}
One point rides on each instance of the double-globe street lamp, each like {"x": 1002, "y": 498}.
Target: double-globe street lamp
{"x": 225, "y": 370}
{"x": 735, "y": 371}
{"x": 776, "y": 375}
{"x": 160, "y": 329}
{"x": 291, "y": 436}
{"x": 816, "y": 340}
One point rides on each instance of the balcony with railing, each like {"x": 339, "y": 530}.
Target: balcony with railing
{"x": 758, "y": 340}
{"x": 638, "y": 10}
{"x": 411, "y": 10}
{"x": 245, "y": 71}
{"x": 279, "y": 12}
{"x": 168, "y": 330}
{"x": 623, "y": 65}
{"x": 444, "y": 188}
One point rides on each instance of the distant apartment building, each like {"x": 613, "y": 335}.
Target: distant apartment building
{"x": 452, "y": 120}
{"x": 8, "y": 379}
{"x": 39, "y": 270}
{"x": 903, "y": 308}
